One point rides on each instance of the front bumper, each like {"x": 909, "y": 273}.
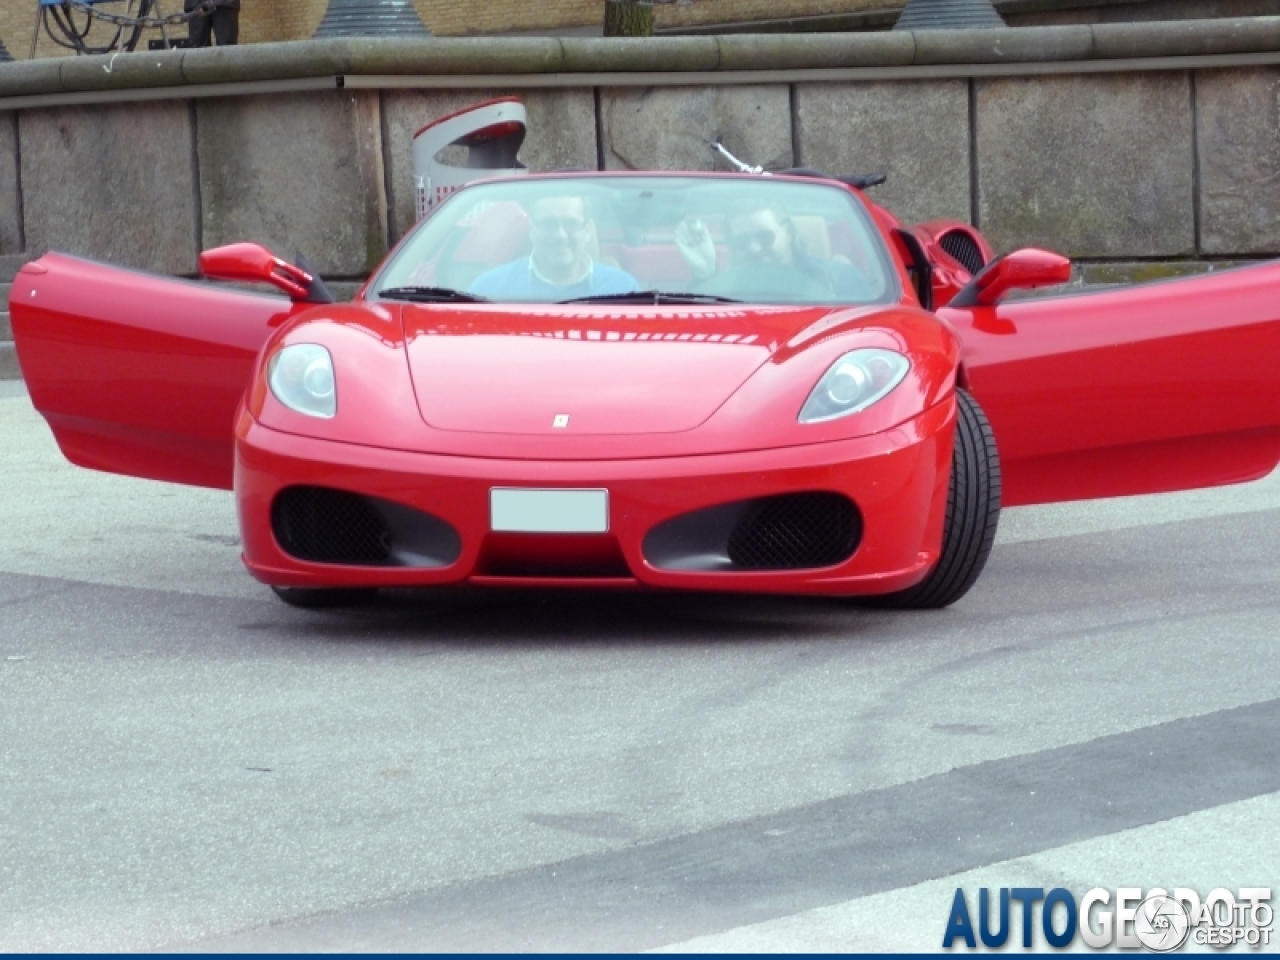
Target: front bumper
{"x": 898, "y": 480}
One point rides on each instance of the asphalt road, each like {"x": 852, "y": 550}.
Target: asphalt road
{"x": 185, "y": 763}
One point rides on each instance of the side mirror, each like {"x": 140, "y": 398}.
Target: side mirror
{"x": 1023, "y": 269}
{"x": 254, "y": 263}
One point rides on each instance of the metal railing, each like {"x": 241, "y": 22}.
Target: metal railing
{"x": 59, "y": 19}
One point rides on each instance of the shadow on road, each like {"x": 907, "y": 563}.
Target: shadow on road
{"x": 474, "y": 617}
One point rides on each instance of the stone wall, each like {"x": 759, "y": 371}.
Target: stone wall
{"x": 1076, "y": 138}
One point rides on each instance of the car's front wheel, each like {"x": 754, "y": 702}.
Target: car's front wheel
{"x": 322, "y": 598}
{"x": 973, "y": 511}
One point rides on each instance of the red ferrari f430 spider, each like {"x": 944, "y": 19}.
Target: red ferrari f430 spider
{"x": 682, "y": 381}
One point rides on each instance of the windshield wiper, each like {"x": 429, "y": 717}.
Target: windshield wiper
{"x": 652, "y": 296}
{"x": 431, "y": 295}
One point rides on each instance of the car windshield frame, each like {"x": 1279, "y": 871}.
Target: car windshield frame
{"x": 625, "y": 194}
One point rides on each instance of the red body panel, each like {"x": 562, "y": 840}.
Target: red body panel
{"x": 1167, "y": 386}
{"x": 790, "y": 351}
{"x": 498, "y": 375}
{"x": 135, "y": 373}
{"x": 898, "y": 478}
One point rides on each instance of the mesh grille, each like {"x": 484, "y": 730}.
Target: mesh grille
{"x": 795, "y": 531}
{"x": 330, "y": 526}
{"x": 964, "y": 248}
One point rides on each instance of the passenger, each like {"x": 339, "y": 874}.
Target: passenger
{"x": 766, "y": 259}
{"x": 562, "y": 265}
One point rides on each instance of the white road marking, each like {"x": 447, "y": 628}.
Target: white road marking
{"x": 1245, "y": 852}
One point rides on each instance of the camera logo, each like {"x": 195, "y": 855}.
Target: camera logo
{"x": 1161, "y": 924}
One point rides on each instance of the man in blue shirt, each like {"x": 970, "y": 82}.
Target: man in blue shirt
{"x": 561, "y": 266}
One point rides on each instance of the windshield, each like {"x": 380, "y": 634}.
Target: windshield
{"x": 644, "y": 239}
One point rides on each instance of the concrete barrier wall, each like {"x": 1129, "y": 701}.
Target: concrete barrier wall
{"x": 1108, "y": 142}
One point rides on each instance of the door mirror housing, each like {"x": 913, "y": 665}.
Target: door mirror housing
{"x": 1023, "y": 269}
{"x": 254, "y": 263}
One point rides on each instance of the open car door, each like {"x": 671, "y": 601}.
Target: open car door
{"x": 1166, "y": 386}
{"x": 136, "y": 373}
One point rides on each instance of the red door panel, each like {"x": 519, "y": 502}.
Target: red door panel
{"x": 136, "y": 373}
{"x": 1144, "y": 389}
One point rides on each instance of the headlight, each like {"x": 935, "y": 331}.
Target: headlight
{"x": 301, "y": 377}
{"x": 854, "y": 382}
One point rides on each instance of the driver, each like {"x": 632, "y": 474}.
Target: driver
{"x": 561, "y": 265}
{"x": 766, "y": 259}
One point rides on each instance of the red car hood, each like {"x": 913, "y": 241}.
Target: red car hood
{"x": 607, "y": 369}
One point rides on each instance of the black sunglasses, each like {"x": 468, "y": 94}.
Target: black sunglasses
{"x": 753, "y": 240}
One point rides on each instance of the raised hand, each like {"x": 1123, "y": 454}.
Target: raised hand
{"x": 696, "y": 246}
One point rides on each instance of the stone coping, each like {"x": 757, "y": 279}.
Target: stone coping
{"x": 876, "y": 17}
{"x": 740, "y": 53}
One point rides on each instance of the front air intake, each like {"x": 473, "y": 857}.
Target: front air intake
{"x": 322, "y": 525}
{"x": 789, "y": 531}
{"x": 795, "y": 531}
{"x": 961, "y": 246}
{"x": 792, "y": 531}
{"x": 330, "y": 526}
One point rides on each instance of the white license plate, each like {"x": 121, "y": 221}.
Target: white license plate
{"x": 515, "y": 510}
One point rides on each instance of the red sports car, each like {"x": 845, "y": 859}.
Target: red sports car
{"x": 684, "y": 381}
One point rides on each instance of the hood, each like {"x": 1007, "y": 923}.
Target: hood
{"x": 588, "y": 370}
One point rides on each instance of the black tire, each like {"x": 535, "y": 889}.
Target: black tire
{"x": 973, "y": 511}
{"x": 322, "y": 598}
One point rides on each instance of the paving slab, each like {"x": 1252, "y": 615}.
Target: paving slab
{"x": 295, "y": 172}
{"x": 1094, "y": 166}
{"x": 10, "y": 263}
{"x": 1238, "y": 139}
{"x": 112, "y": 182}
{"x": 9, "y": 368}
{"x": 670, "y": 128}
{"x": 10, "y": 189}
{"x": 846, "y": 128}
